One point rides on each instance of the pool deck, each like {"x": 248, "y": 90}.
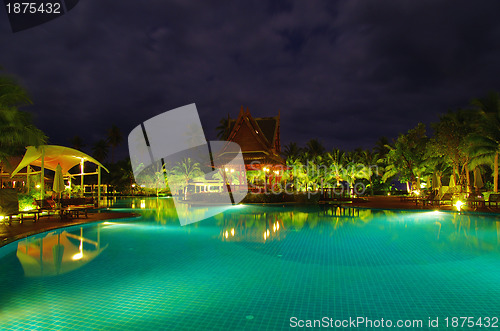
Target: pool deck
{"x": 394, "y": 202}
{"x": 16, "y": 231}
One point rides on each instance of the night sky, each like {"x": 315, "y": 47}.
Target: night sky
{"x": 346, "y": 72}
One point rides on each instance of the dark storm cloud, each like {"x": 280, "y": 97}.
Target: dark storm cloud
{"x": 346, "y": 72}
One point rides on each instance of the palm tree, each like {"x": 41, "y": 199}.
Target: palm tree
{"x": 382, "y": 147}
{"x": 292, "y": 150}
{"x": 315, "y": 147}
{"x": 17, "y": 130}
{"x": 186, "y": 170}
{"x": 100, "y": 150}
{"x": 12, "y": 94}
{"x": 77, "y": 143}
{"x": 115, "y": 139}
{"x": 486, "y": 141}
{"x": 223, "y": 128}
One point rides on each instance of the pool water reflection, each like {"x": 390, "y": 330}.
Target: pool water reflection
{"x": 252, "y": 267}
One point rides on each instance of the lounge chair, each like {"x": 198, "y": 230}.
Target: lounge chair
{"x": 9, "y": 207}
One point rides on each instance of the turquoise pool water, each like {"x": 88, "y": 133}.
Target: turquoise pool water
{"x": 253, "y": 267}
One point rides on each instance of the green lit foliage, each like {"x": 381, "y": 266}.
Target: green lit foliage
{"x": 15, "y": 125}
{"x": 485, "y": 142}
{"x": 407, "y": 155}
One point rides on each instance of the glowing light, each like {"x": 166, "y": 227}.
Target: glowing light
{"x": 133, "y": 185}
{"x": 226, "y": 234}
{"x": 265, "y": 235}
{"x": 232, "y": 170}
{"x": 143, "y": 204}
{"x": 277, "y": 225}
{"x": 77, "y": 256}
{"x": 388, "y": 193}
{"x": 266, "y": 169}
{"x": 274, "y": 227}
{"x": 226, "y": 169}
{"x": 143, "y": 185}
{"x": 268, "y": 232}
{"x": 436, "y": 212}
{"x": 276, "y": 172}
{"x": 37, "y": 185}
{"x": 459, "y": 205}
{"x": 232, "y": 232}
{"x": 417, "y": 192}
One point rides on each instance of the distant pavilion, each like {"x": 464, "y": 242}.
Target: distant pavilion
{"x": 259, "y": 139}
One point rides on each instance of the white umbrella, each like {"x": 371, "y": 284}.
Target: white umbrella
{"x": 58, "y": 181}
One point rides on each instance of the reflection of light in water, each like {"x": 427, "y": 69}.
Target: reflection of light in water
{"x": 143, "y": 204}
{"x": 226, "y": 234}
{"x": 265, "y": 235}
{"x": 77, "y": 256}
{"x": 133, "y": 205}
{"x": 232, "y": 232}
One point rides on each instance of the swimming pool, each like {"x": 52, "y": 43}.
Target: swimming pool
{"x": 253, "y": 267}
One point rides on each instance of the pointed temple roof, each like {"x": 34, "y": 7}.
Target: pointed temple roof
{"x": 259, "y": 138}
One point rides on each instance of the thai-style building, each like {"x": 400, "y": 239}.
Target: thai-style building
{"x": 258, "y": 138}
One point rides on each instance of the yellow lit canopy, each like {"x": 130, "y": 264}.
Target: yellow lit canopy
{"x": 53, "y": 155}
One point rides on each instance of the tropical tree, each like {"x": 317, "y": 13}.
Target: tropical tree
{"x": 115, "y": 138}
{"x": 292, "y": 150}
{"x": 407, "y": 155}
{"x": 77, "y": 143}
{"x": 315, "y": 147}
{"x": 485, "y": 142}
{"x": 223, "y": 128}
{"x": 450, "y": 143}
{"x": 16, "y": 126}
{"x": 184, "y": 171}
{"x": 100, "y": 150}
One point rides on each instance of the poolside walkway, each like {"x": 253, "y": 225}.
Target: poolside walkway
{"x": 10, "y": 233}
{"x": 394, "y": 202}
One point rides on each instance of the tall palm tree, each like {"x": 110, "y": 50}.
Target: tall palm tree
{"x": 292, "y": 150}
{"x": 17, "y": 130}
{"x": 223, "y": 128}
{"x": 486, "y": 141}
{"x": 315, "y": 147}
{"x": 100, "y": 150}
{"x": 77, "y": 143}
{"x": 186, "y": 170}
{"x": 115, "y": 138}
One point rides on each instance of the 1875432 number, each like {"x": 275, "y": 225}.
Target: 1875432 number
{"x": 33, "y": 8}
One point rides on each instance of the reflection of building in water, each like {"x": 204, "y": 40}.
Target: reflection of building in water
{"x": 261, "y": 230}
{"x": 59, "y": 252}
